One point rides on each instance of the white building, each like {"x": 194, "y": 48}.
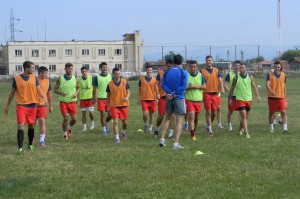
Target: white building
{"x": 126, "y": 54}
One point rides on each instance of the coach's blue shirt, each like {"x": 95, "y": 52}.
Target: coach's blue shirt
{"x": 175, "y": 81}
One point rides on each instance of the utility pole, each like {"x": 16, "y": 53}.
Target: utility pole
{"x": 228, "y": 53}
{"x": 242, "y": 55}
{"x": 278, "y": 30}
{"x": 12, "y": 26}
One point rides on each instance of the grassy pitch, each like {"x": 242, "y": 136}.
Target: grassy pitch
{"x": 91, "y": 165}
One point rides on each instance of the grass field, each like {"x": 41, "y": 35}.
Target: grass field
{"x": 91, "y": 165}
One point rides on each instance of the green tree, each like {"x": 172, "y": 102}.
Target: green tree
{"x": 255, "y": 60}
{"x": 170, "y": 55}
{"x": 290, "y": 54}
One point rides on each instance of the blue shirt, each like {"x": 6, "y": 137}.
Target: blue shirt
{"x": 203, "y": 78}
{"x": 95, "y": 79}
{"x": 14, "y": 85}
{"x": 148, "y": 79}
{"x": 117, "y": 84}
{"x": 175, "y": 82}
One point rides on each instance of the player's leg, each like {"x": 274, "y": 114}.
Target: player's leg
{"x": 42, "y": 129}
{"x": 83, "y": 118}
{"x": 191, "y": 116}
{"x": 91, "y": 114}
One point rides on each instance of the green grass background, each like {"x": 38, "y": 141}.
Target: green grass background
{"x": 91, "y": 165}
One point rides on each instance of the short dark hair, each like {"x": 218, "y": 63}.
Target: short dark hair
{"x": 84, "y": 68}
{"x": 115, "y": 69}
{"x": 148, "y": 66}
{"x": 27, "y": 64}
{"x": 243, "y": 64}
{"x": 277, "y": 62}
{"x": 193, "y": 62}
{"x": 237, "y": 62}
{"x": 102, "y": 64}
{"x": 42, "y": 69}
{"x": 169, "y": 61}
{"x": 67, "y": 65}
{"x": 208, "y": 56}
{"x": 177, "y": 59}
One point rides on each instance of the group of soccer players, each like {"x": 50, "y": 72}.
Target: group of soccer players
{"x": 177, "y": 93}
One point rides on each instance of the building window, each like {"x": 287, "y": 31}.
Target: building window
{"x": 18, "y": 53}
{"x": 68, "y": 52}
{"x": 118, "y": 51}
{"x": 52, "y": 67}
{"x": 86, "y": 65}
{"x": 85, "y": 52}
{"x": 36, "y": 67}
{"x": 119, "y": 66}
{"x": 35, "y": 53}
{"x": 101, "y": 52}
{"x": 19, "y": 67}
{"x": 1, "y": 53}
{"x": 52, "y": 53}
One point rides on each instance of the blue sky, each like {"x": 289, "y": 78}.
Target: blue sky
{"x": 162, "y": 22}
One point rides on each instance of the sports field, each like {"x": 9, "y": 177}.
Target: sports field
{"x": 91, "y": 165}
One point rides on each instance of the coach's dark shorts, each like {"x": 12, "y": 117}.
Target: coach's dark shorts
{"x": 176, "y": 106}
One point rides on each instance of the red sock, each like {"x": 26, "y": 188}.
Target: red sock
{"x": 192, "y": 133}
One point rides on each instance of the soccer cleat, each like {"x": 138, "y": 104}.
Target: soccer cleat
{"x": 186, "y": 127}
{"x": 145, "y": 128}
{"x": 194, "y": 138}
{"x": 247, "y": 135}
{"x": 210, "y": 134}
{"x": 285, "y": 131}
{"x": 220, "y": 126}
{"x": 171, "y": 137}
{"x": 271, "y": 130}
{"x": 104, "y": 132}
{"x": 156, "y": 134}
{"x": 280, "y": 122}
{"x": 30, "y": 147}
{"x": 229, "y": 128}
{"x": 65, "y": 137}
{"x": 162, "y": 143}
{"x": 124, "y": 136}
{"x": 42, "y": 144}
{"x": 70, "y": 133}
{"x": 83, "y": 129}
{"x": 92, "y": 125}
{"x": 178, "y": 146}
{"x": 117, "y": 141}
{"x": 240, "y": 133}
{"x": 20, "y": 151}
{"x": 107, "y": 128}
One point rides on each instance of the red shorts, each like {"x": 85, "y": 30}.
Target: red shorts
{"x": 41, "y": 112}
{"x": 162, "y": 102}
{"x": 148, "y": 105}
{"x": 119, "y": 112}
{"x": 68, "y": 108}
{"x": 26, "y": 114}
{"x": 193, "y": 106}
{"x": 241, "y": 103}
{"x": 86, "y": 103}
{"x": 210, "y": 101}
{"x": 219, "y": 100}
{"x": 277, "y": 105}
{"x": 233, "y": 105}
{"x": 102, "y": 105}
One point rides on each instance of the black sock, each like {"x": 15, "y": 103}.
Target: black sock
{"x": 30, "y": 135}
{"x": 20, "y": 136}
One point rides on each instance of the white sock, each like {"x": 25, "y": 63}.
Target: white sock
{"x": 123, "y": 131}
{"x": 272, "y": 126}
{"x": 65, "y": 133}
{"x": 229, "y": 124}
{"x": 84, "y": 126}
{"x": 187, "y": 123}
{"x": 157, "y": 128}
{"x": 175, "y": 144}
{"x": 209, "y": 128}
{"x": 117, "y": 136}
{"x": 280, "y": 119}
{"x": 274, "y": 121}
{"x": 285, "y": 127}
{"x": 69, "y": 127}
{"x": 42, "y": 137}
{"x": 104, "y": 128}
{"x": 219, "y": 124}
{"x": 150, "y": 127}
{"x": 170, "y": 132}
{"x": 92, "y": 122}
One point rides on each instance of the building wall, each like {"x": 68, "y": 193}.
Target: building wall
{"x": 115, "y": 53}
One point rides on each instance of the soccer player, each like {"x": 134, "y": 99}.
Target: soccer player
{"x": 242, "y": 84}
{"x": 26, "y": 87}
{"x": 118, "y": 101}
{"x": 174, "y": 82}
{"x": 41, "y": 114}
{"x": 194, "y": 96}
{"x": 100, "y": 95}
{"x": 67, "y": 87}
{"x": 147, "y": 98}
{"x": 276, "y": 86}
{"x": 228, "y": 83}
{"x": 214, "y": 82}
{"x": 161, "y": 96}
{"x": 86, "y": 96}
